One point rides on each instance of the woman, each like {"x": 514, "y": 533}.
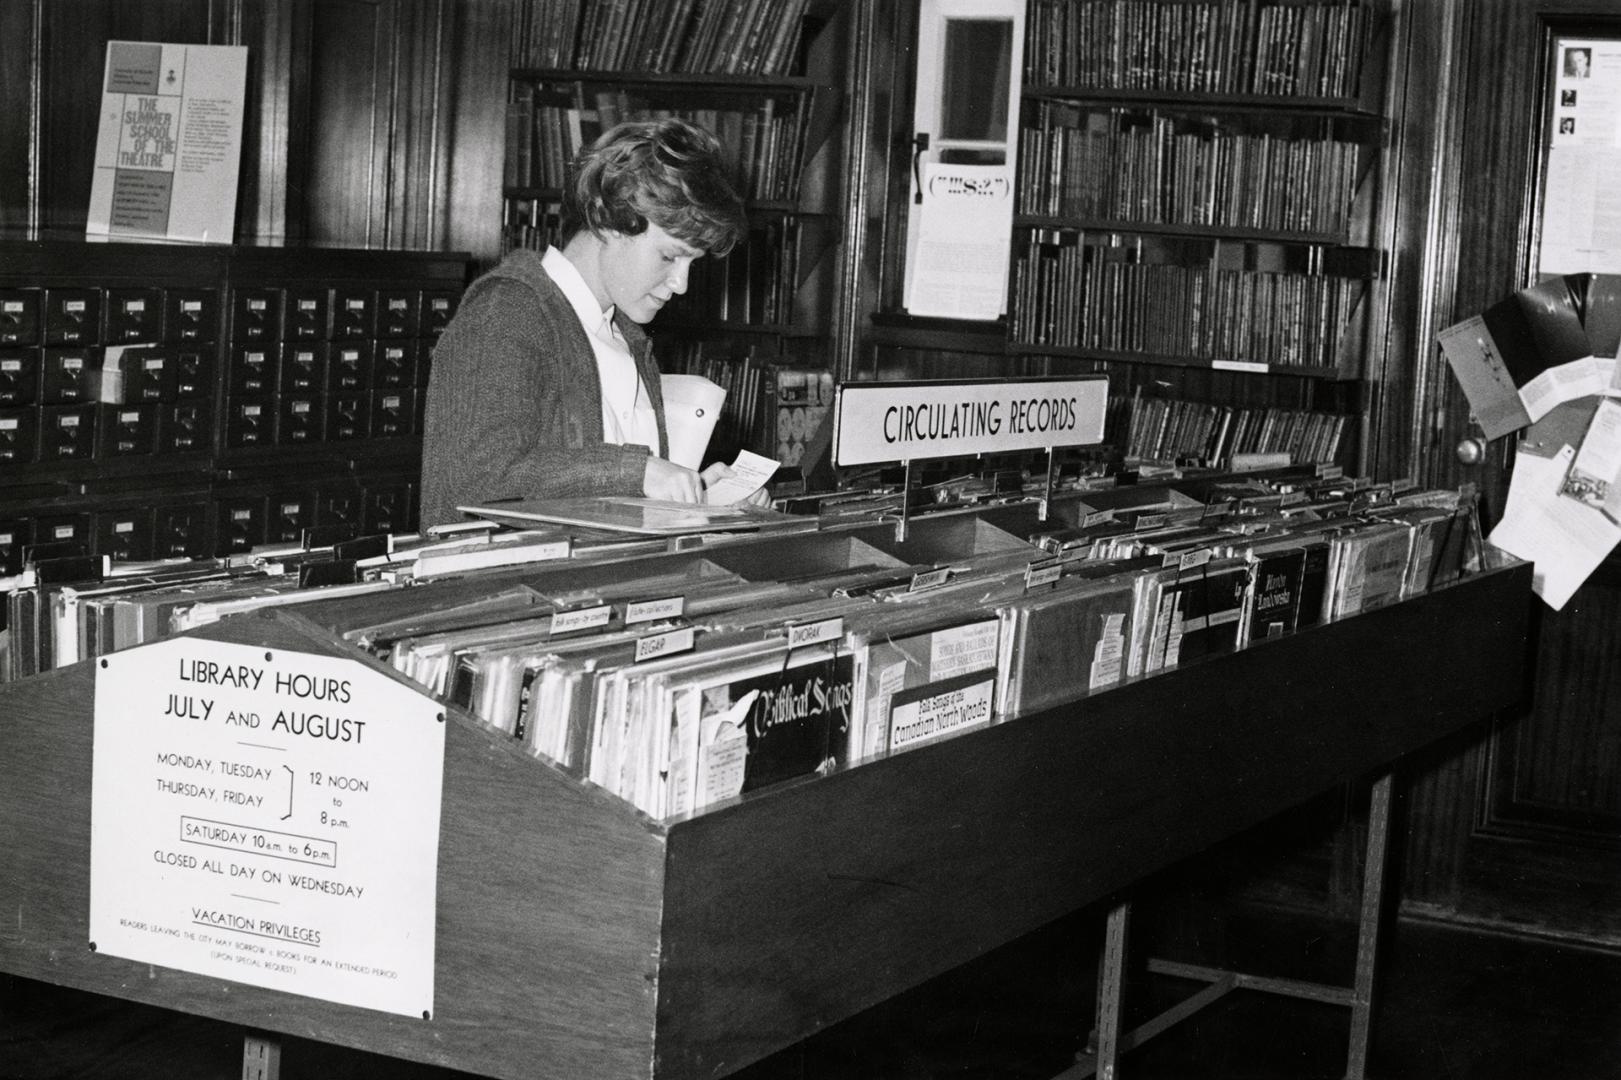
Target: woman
{"x": 544, "y": 384}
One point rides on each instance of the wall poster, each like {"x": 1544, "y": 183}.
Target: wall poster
{"x": 169, "y": 146}
{"x": 1581, "y": 203}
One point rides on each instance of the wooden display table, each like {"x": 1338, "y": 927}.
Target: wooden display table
{"x": 576, "y": 937}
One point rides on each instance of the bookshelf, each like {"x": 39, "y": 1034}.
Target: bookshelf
{"x": 766, "y": 78}
{"x": 771, "y": 127}
{"x": 576, "y": 937}
{"x": 262, "y": 391}
{"x": 1197, "y": 212}
{"x": 1195, "y": 195}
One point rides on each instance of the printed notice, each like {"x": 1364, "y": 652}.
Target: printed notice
{"x": 267, "y": 817}
{"x": 958, "y": 265}
{"x": 961, "y": 649}
{"x": 169, "y": 145}
{"x": 1596, "y": 468}
{"x": 1581, "y": 208}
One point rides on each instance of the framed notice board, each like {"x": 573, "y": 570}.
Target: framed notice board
{"x": 1578, "y": 226}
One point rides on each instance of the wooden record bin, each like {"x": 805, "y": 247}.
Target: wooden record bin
{"x": 579, "y": 938}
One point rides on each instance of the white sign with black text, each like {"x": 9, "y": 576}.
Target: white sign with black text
{"x": 881, "y": 422}
{"x": 268, "y": 817}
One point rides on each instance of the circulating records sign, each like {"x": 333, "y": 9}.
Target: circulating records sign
{"x": 267, "y": 817}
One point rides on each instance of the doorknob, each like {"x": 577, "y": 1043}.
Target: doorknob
{"x": 1471, "y": 451}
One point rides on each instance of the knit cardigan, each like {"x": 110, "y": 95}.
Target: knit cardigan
{"x": 514, "y": 405}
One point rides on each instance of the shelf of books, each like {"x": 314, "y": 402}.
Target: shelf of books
{"x": 1188, "y": 181}
{"x": 757, "y": 303}
{"x": 705, "y": 793}
{"x": 1197, "y": 214}
{"x": 765, "y": 78}
{"x": 1309, "y": 51}
{"x": 771, "y": 128}
{"x": 678, "y": 37}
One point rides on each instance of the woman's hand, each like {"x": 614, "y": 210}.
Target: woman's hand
{"x": 720, "y": 471}
{"x": 666, "y": 480}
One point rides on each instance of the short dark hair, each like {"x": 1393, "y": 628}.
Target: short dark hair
{"x": 669, "y": 172}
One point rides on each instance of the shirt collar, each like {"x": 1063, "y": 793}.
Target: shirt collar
{"x": 568, "y": 278}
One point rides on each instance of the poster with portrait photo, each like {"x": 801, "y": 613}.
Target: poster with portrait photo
{"x": 1581, "y": 212}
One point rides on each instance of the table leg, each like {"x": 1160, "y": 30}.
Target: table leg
{"x": 1367, "y": 945}
{"x": 261, "y": 1057}
{"x": 1111, "y": 981}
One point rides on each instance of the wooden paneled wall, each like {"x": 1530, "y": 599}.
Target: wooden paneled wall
{"x": 1518, "y": 827}
{"x": 381, "y": 123}
{"x": 372, "y": 123}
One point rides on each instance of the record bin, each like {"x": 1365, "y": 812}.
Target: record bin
{"x": 578, "y": 937}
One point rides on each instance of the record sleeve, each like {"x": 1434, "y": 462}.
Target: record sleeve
{"x": 890, "y": 663}
{"x": 1068, "y": 642}
{"x": 639, "y": 517}
{"x": 746, "y": 726}
{"x": 1272, "y": 599}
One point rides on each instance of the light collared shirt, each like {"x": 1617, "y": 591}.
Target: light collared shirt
{"x": 627, "y": 411}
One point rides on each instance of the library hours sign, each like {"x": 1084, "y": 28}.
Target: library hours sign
{"x": 268, "y": 817}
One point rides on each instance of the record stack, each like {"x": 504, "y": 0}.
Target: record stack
{"x": 682, "y": 672}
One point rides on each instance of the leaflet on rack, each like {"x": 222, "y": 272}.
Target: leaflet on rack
{"x": 959, "y": 267}
{"x": 170, "y": 142}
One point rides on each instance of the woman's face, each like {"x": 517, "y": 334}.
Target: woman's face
{"x": 640, "y": 273}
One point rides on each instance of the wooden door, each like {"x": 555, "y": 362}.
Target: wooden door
{"x": 1519, "y": 827}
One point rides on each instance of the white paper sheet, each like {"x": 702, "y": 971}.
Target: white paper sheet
{"x": 1581, "y": 211}
{"x": 1566, "y": 539}
{"x": 959, "y": 267}
{"x": 749, "y": 474}
{"x": 1595, "y": 474}
{"x": 692, "y": 404}
{"x": 1566, "y": 382}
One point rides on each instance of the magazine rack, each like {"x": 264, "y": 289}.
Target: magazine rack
{"x": 577, "y": 937}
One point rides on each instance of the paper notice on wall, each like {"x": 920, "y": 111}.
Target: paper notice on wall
{"x": 1595, "y": 474}
{"x": 1565, "y": 538}
{"x": 169, "y": 145}
{"x": 1581, "y": 206}
{"x": 1522, "y": 357}
{"x": 959, "y": 264}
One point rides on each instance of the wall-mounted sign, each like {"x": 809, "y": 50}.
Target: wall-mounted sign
{"x": 1581, "y": 210}
{"x": 878, "y": 422}
{"x": 267, "y": 817}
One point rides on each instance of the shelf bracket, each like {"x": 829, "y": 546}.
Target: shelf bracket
{"x": 261, "y": 1057}
{"x": 1047, "y": 486}
{"x": 902, "y": 525}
